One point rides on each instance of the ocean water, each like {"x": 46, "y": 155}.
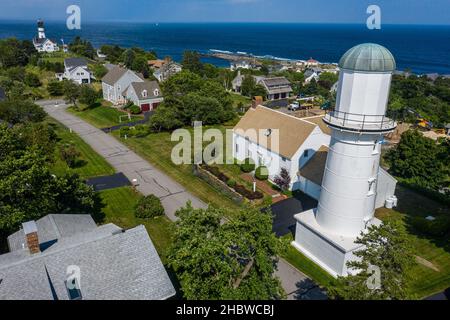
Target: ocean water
{"x": 423, "y": 49}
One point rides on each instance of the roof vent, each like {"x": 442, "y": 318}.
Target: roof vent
{"x": 268, "y": 132}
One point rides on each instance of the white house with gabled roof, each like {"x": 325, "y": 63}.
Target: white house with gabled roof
{"x": 300, "y": 145}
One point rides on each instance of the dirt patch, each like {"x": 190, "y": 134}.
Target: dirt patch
{"x": 426, "y": 263}
{"x": 264, "y": 187}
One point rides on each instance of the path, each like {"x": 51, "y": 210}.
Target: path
{"x": 297, "y": 285}
{"x": 147, "y": 116}
{"x": 151, "y": 180}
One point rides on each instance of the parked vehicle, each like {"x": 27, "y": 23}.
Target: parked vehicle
{"x": 294, "y": 106}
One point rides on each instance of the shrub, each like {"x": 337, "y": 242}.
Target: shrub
{"x": 231, "y": 183}
{"x": 248, "y": 165}
{"x": 283, "y": 180}
{"x": 124, "y": 131}
{"x": 135, "y": 109}
{"x": 262, "y": 173}
{"x": 141, "y": 130}
{"x": 55, "y": 88}
{"x": 149, "y": 207}
{"x": 70, "y": 155}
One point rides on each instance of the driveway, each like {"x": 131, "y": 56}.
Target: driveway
{"x": 116, "y": 180}
{"x": 297, "y": 285}
{"x": 284, "y": 211}
{"x": 147, "y": 116}
{"x": 150, "y": 180}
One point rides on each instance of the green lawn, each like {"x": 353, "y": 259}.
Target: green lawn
{"x": 237, "y": 99}
{"x": 102, "y": 116}
{"x": 426, "y": 281}
{"x": 90, "y": 163}
{"x": 119, "y": 209}
{"x": 157, "y": 149}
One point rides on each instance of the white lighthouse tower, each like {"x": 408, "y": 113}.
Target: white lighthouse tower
{"x": 346, "y": 206}
{"x": 41, "y": 29}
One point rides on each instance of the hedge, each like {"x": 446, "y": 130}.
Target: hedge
{"x": 262, "y": 173}
{"x": 248, "y": 165}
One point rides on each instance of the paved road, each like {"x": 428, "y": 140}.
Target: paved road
{"x": 151, "y": 180}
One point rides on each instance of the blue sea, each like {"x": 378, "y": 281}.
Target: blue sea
{"x": 423, "y": 49}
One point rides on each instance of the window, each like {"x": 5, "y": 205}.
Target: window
{"x": 144, "y": 93}
{"x": 372, "y": 184}
{"x": 284, "y": 159}
{"x": 306, "y": 153}
{"x": 156, "y": 92}
{"x": 237, "y": 148}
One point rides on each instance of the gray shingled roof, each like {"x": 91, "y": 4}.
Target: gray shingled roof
{"x": 54, "y": 226}
{"x": 275, "y": 82}
{"x": 115, "y": 74}
{"x": 150, "y": 86}
{"x": 368, "y": 57}
{"x": 75, "y": 62}
{"x": 114, "y": 265}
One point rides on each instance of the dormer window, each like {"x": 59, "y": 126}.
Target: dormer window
{"x": 144, "y": 93}
{"x": 156, "y": 92}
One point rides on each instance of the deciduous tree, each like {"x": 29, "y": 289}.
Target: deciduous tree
{"x": 232, "y": 260}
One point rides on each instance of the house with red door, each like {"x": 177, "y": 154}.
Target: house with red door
{"x": 121, "y": 85}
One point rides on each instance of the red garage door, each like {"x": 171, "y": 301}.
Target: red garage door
{"x": 145, "y": 107}
{"x": 155, "y": 105}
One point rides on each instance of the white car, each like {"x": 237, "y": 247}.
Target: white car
{"x": 294, "y": 106}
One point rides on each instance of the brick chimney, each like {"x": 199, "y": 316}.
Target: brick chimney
{"x": 31, "y": 236}
{"x": 256, "y": 101}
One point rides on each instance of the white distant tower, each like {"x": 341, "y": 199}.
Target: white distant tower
{"x": 41, "y": 29}
{"x": 347, "y": 200}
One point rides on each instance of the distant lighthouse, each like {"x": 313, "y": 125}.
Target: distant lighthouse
{"x": 41, "y": 29}
{"x": 358, "y": 123}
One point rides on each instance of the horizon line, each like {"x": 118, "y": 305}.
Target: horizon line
{"x": 220, "y": 22}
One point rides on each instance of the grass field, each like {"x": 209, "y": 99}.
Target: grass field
{"x": 157, "y": 149}
{"x": 102, "y": 116}
{"x": 90, "y": 163}
{"x": 237, "y": 99}
{"x": 426, "y": 281}
{"x": 119, "y": 209}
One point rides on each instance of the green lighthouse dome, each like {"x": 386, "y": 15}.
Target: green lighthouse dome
{"x": 368, "y": 57}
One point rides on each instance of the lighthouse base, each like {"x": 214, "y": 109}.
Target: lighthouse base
{"x": 330, "y": 251}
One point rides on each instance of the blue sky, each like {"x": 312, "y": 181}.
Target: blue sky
{"x": 320, "y": 11}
